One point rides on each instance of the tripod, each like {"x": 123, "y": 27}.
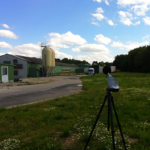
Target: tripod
{"x": 110, "y": 104}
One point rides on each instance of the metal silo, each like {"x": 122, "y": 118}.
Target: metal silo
{"x": 53, "y": 60}
{"x": 47, "y": 60}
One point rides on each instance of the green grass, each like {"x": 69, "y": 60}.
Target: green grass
{"x": 68, "y": 74}
{"x": 65, "y": 123}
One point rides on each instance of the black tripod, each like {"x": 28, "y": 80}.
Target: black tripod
{"x": 110, "y": 104}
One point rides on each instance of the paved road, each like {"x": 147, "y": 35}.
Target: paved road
{"x": 22, "y": 95}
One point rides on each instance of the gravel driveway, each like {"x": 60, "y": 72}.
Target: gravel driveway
{"x": 27, "y": 94}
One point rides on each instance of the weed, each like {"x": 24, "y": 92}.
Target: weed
{"x": 59, "y": 117}
{"x": 66, "y": 132}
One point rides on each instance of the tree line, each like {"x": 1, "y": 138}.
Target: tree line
{"x": 102, "y": 63}
{"x": 72, "y": 61}
{"x": 77, "y": 62}
{"x": 137, "y": 60}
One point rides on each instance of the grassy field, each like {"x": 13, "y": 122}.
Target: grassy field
{"x": 68, "y": 74}
{"x": 65, "y": 123}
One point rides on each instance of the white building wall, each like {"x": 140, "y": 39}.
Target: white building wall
{"x": 86, "y": 70}
{"x": 21, "y": 72}
{"x": 113, "y": 68}
{"x": 101, "y": 69}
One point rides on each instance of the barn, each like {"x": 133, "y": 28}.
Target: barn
{"x": 31, "y": 66}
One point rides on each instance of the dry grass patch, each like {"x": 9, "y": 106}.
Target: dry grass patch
{"x": 132, "y": 140}
{"x": 68, "y": 142}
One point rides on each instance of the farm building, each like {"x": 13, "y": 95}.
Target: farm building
{"x": 32, "y": 67}
{"x": 6, "y": 73}
{"x": 83, "y": 68}
{"x": 99, "y": 69}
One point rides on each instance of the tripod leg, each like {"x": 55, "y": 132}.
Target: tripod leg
{"x": 118, "y": 124}
{"x": 112, "y": 128}
{"x": 95, "y": 122}
{"x": 108, "y": 115}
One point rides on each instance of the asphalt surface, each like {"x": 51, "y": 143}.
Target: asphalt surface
{"x": 28, "y": 94}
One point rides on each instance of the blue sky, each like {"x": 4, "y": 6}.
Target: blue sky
{"x": 91, "y": 30}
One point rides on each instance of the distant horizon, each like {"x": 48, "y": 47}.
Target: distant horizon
{"x": 91, "y": 30}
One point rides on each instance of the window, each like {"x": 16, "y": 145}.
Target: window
{"x": 4, "y": 71}
{"x": 15, "y": 61}
{"x": 66, "y": 70}
{"x": 15, "y": 72}
{"x": 6, "y": 62}
{"x": 18, "y": 66}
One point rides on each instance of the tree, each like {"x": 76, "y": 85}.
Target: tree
{"x": 94, "y": 63}
{"x": 137, "y": 60}
{"x": 72, "y": 61}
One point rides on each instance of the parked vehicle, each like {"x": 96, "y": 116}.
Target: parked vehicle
{"x": 18, "y": 79}
{"x": 91, "y": 71}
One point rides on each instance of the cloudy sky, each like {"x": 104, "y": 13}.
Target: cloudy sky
{"x": 91, "y": 30}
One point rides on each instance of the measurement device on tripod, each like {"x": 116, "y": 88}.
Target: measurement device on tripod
{"x": 113, "y": 85}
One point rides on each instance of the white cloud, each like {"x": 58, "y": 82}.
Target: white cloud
{"x": 137, "y": 23}
{"x": 126, "y": 21}
{"x": 95, "y": 57}
{"x": 8, "y": 34}
{"x": 146, "y": 20}
{"x": 62, "y": 55}
{"x": 106, "y": 2}
{"x": 117, "y": 44}
{"x": 2, "y": 54}
{"x": 101, "y": 39}
{"x": 110, "y": 22}
{"x": 132, "y": 2}
{"x": 67, "y": 38}
{"x": 96, "y": 52}
{"x": 56, "y": 41}
{"x": 5, "y": 26}
{"x": 95, "y": 23}
{"x": 140, "y": 10}
{"x": 60, "y": 40}
{"x": 5, "y": 45}
{"x": 129, "y": 45}
{"x": 146, "y": 37}
{"x": 99, "y": 10}
{"x": 99, "y": 1}
{"x": 126, "y": 18}
{"x": 98, "y": 16}
{"x": 91, "y": 48}
{"x": 31, "y": 50}
{"x": 124, "y": 14}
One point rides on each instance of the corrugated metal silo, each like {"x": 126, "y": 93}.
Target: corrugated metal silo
{"x": 53, "y": 58}
{"x": 48, "y": 60}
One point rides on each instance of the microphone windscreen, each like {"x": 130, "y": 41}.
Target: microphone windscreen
{"x": 107, "y": 69}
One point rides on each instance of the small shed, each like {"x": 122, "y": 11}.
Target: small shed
{"x": 6, "y": 72}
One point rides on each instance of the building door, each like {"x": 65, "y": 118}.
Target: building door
{"x": 4, "y": 74}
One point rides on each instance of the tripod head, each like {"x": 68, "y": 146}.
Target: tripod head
{"x": 112, "y": 83}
